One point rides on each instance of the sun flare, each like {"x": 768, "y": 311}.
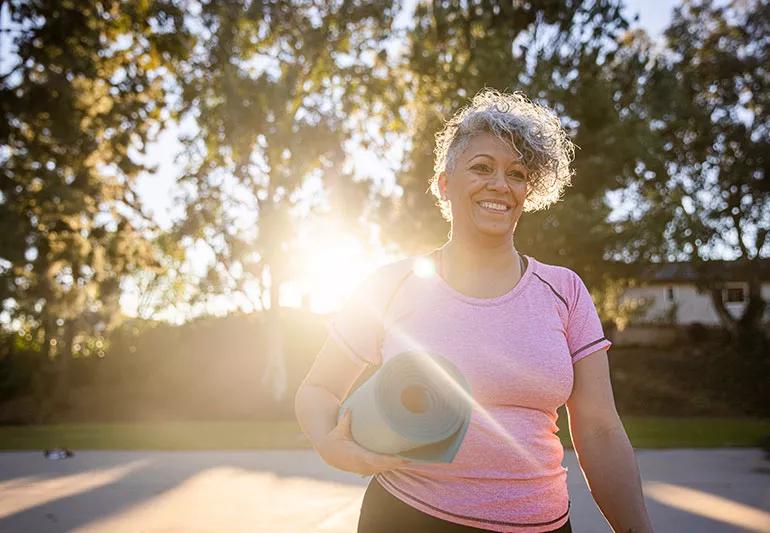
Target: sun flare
{"x": 331, "y": 263}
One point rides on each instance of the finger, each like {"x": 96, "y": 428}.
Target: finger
{"x": 344, "y": 424}
{"x": 344, "y": 417}
{"x": 341, "y": 421}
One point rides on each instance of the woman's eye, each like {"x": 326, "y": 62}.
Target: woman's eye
{"x": 516, "y": 175}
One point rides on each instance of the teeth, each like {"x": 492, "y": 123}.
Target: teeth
{"x": 494, "y": 206}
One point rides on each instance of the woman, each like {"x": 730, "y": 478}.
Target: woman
{"x": 525, "y": 334}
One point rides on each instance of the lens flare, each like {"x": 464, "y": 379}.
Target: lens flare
{"x": 432, "y": 367}
{"x": 424, "y": 267}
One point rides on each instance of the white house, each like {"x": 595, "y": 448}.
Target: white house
{"x": 670, "y": 297}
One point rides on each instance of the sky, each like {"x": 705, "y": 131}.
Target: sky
{"x": 654, "y": 15}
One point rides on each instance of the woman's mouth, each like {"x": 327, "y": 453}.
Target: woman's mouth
{"x": 494, "y": 207}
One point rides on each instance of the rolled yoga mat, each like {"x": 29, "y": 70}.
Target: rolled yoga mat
{"x": 416, "y": 406}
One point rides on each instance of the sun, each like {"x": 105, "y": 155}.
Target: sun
{"x": 331, "y": 262}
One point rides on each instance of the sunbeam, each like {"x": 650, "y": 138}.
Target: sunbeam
{"x": 33, "y": 491}
{"x": 709, "y": 506}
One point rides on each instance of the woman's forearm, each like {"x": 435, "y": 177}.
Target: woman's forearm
{"x": 610, "y": 468}
{"x": 316, "y": 411}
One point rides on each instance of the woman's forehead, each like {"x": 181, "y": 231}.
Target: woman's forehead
{"x": 485, "y": 146}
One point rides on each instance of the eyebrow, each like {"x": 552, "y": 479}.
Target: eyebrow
{"x": 480, "y": 155}
{"x": 490, "y": 157}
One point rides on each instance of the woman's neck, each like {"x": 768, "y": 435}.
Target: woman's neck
{"x": 472, "y": 256}
{"x": 479, "y": 269}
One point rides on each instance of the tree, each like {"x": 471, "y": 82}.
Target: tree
{"x": 272, "y": 88}
{"x": 84, "y": 96}
{"x": 707, "y": 187}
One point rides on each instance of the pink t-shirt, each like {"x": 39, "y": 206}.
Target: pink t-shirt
{"x": 517, "y": 352}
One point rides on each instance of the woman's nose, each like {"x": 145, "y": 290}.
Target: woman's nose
{"x": 497, "y": 182}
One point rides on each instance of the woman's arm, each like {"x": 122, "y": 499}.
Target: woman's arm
{"x": 327, "y": 383}
{"x": 603, "y": 449}
{"x": 316, "y": 404}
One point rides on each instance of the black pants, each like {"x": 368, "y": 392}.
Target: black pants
{"x": 381, "y": 512}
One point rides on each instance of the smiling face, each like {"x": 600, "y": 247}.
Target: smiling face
{"x": 487, "y": 188}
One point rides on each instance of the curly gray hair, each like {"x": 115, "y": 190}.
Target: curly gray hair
{"x": 532, "y": 131}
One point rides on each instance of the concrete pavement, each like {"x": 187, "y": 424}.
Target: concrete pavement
{"x": 706, "y": 491}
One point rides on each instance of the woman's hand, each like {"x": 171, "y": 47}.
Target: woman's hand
{"x": 339, "y": 450}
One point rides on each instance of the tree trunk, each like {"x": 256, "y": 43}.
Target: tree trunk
{"x": 45, "y": 381}
{"x": 64, "y": 366}
{"x": 750, "y": 321}
{"x": 49, "y": 337}
{"x": 275, "y": 375}
{"x": 728, "y": 322}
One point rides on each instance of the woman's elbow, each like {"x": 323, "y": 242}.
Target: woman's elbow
{"x": 591, "y": 428}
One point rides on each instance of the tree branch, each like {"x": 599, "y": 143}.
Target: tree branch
{"x": 761, "y": 239}
{"x": 742, "y": 245}
{"x": 731, "y": 324}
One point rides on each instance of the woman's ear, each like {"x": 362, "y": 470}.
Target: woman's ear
{"x": 442, "y": 185}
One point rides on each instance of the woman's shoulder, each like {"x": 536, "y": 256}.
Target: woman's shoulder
{"x": 420, "y": 265}
{"x": 562, "y": 281}
{"x": 395, "y": 269}
{"x": 388, "y": 276}
{"x": 555, "y": 273}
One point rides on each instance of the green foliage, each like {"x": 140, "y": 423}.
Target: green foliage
{"x": 83, "y": 98}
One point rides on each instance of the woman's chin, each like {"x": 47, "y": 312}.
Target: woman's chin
{"x": 495, "y": 230}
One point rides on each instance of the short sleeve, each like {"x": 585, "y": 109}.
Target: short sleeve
{"x": 358, "y": 326}
{"x": 584, "y": 328}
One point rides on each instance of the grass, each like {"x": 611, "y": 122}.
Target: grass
{"x": 696, "y": 432}
{"x": 686, "y": 432}
{"x": 154, "y": 436}
{"x": 644, "y": 432}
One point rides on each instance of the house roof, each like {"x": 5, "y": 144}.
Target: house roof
{"x": 692, "y": 272}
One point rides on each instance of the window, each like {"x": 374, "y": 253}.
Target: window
{"x": 669, "y": 293}
{"x": 734, "y": 295}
